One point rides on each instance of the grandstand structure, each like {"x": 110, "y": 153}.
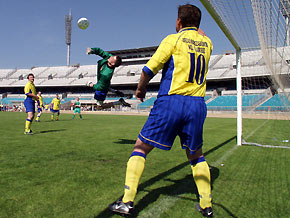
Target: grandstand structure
{"x": 221, "y": 94}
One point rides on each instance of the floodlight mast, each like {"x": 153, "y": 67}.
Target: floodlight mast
{"x": 285, "y": 10}
{"x": 223, "y": 27}
{"x": 68, "y": 19}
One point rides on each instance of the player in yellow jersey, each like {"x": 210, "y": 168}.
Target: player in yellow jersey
{"x": 179, "y": 110}
{"x": 29, "y": 102}
{"x": 39, "y": 106}
{"x": 54, "y": 107}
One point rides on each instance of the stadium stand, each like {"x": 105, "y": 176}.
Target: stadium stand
{"x": 20, "y": 74}
{"x": 83, "y": 71}
{"x": 5, "y": 73}
{"x": 71, "y": 80}
{"x": 147, "y": 103}
{"x": 39, "y": 72}
{"x": 278, "y": 102}
{"x": 226, "y": 61}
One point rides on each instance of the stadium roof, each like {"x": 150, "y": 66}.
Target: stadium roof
{"x": 134, "y": 50}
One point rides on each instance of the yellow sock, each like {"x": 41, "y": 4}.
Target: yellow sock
{"x": 56, "y": 118}
{"x": 27, "y": 125}
{"x": 135, "y": 168}
{"x": 201, "y": 175}
{"x": 37, "y": 118}
{"x": 51, "y": 117}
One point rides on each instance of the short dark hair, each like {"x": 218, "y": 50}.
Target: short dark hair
{"x": 189, "y": 15}
{"x": 118, "y": 61}
{"x": 31, "y": 74}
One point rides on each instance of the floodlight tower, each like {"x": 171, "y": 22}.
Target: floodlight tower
{"x": 68, "y": 19}
{"x": 285, "y": 10}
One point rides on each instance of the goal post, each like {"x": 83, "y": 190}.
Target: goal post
{"x": 228, "y": 34}
{"x": 220, "y": 23}
{"x": 259, "y": 30}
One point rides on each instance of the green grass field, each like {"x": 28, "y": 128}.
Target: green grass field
{"x": 75, "y": 168}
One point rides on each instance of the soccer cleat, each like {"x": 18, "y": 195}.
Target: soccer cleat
{"x": 207, "y": 212}
{"x": 28, "y": 132}
{"x": 124, "y": 103}
{"x": 122, "y": 208}
{"x": 119, "y": 93}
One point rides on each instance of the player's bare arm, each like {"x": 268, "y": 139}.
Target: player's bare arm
{"x": 33, "y": 96}
{"x": 141, "y": 88}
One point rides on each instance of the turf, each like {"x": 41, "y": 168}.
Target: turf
{"x": 75, "y": 168}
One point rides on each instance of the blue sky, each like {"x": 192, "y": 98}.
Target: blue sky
{"x": 33, "y": 31}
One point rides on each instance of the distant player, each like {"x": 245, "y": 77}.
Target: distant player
{"x": 46, "y": 107}
{"x": 54, "y": 107}
{"x": 77, "y": 106}
{"x": 106, "y": 68}
{"x": 29, "y": 102}
{"x": 39, "y": 106}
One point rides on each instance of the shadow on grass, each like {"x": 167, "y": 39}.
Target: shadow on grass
{"x": 126, "y": 141}
{"x": 220, "y": 145}
{"x": 51, "y": 130}
{"x": 179, "y": 187}
{"x": 60, "y": 120}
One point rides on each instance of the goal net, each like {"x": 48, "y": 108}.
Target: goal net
{"x": 259, "y": 31}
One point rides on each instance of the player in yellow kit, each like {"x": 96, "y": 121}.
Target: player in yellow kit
{"x": 54, "y": 107}
{"x": 179, "y": 110}
{"x": 39, "y": 106}
{"x": 29, "y": 102}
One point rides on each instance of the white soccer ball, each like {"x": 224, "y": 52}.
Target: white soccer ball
{"x": 83, "y": 23}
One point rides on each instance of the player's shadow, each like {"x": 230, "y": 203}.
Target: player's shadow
{"x": 48, "y": 120}
{"x": 51, "y": 130}
{"x": 219, "y": 146}
{"x": 179, "y": 187}
{"x": 175, "y": 191}
{"x": 126, "y": 141}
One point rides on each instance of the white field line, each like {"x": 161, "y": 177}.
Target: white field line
{"x": 259, "y": 145}
{"x": 252, "y": 133}
{"x": 225, "y": 156}
{"x": 265, "y": 146}
{"x": 157, "y": 209}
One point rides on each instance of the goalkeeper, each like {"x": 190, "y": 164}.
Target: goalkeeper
{"x": 106, "y": 67}
{"x": 77, "y": 106}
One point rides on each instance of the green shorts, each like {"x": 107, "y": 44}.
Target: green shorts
{"x": 77, "y": 110}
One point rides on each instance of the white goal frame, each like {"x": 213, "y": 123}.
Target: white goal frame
{"x": 228, "y": 34}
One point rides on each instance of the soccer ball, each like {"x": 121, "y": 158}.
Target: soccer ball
{"x": 83, "y": 23}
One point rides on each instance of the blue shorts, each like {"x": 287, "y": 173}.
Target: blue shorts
{"x": 100, "y": 95}
{"x": 39, "y": 109}
{"x": 54, "y": 111}
{"x": 175, "y": 115}
{"x": 29, "y": 105}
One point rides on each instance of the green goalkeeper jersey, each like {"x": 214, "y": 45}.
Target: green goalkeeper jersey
{"x": 105, "y": 73}
{"x": 77, "y": 104}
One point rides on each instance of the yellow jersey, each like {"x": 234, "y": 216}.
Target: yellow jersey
{"x": 55, "y": 103}
{"x": 29, "y": 88}
{"x": 40, "y": 99}
{"x": 184, "y": 58}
